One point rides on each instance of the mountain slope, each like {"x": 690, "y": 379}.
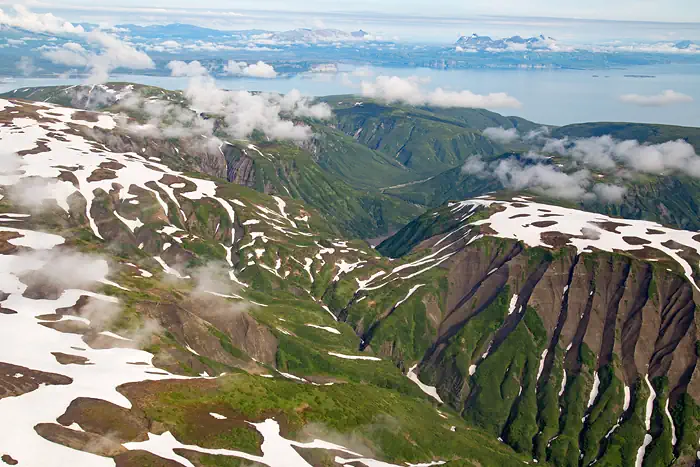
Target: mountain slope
{"x": 331, "y": 173}
{"x": 155, "y": 317}
{"x": 585, "y": 323}
{"x": 426, "y": 140}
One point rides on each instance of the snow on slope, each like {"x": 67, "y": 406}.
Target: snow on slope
{"x": 527, "y": 221}
{"x": 25, "y": 342}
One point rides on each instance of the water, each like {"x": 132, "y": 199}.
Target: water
{"x": 555, "y": 97}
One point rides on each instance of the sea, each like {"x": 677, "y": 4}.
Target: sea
{"x": 553, "y": 97}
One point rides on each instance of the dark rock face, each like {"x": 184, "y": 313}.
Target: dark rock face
{"x": 240, "y": 169}
{"x": 538, "y": 346}
{"x": 17, "y": 380}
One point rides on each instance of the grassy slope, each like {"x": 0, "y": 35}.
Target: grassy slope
{"x": 428, "y": 141}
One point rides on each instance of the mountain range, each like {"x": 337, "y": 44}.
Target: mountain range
{"x": 169, "y": 302}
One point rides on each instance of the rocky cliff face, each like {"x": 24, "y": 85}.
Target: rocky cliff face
{"x": 573, "y": 354}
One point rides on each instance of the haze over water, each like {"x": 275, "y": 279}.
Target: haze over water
{"x": 555, "y": 97}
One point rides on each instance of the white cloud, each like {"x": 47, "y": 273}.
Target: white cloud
{"x": 254, "y": 70}
{"x": 408, "y": 90}
{"x": 26, "y": 66}
{"x": 607, "y": 153}
{"x": 193, "y": 68}
{"x": 245, "y": 112}
{"x": 170, "y": 44}
{"x": 501, "y": 135}
{"x": 545, "y": 179}
{"x": 474, "y": 165}
{"x": 46, "y": 23}
{"x": 112, "y": 53}
{"x": 109, "y": 51}
{"x": 240, "y": 112}
{"x": 609, "y": 193}
{"x": 667, "y": 97}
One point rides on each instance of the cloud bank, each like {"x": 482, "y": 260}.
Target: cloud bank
{"x": 501, "y": 135}
{"x": 193, "y": 68}
{"x": 392, "y": 89}
{"x": 667, "y": 97}
{"x": 238, "y": 113}
{"x": 110, "y": 53}
{"x": 545, "y": 179}
{"x": 46, "y": 23}
{"x": 254, "y": 70}
{"x": 106, "y": 52}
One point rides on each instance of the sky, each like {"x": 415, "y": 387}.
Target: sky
{"x": 437, "y": 20}
{"x": 635, "y": 10}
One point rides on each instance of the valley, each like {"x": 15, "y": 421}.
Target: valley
{"x": 198, "y": 299}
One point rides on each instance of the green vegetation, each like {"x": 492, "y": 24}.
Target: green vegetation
{"x": 395, "y": 427}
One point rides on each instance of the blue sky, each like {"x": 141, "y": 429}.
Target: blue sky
{"x": 439, "y": 20}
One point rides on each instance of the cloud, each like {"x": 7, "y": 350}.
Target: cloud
{"x": 46, "y": 23}
{"x": 408, "y": 90}
{"x": 107, "y": 53}
{"x": 193, "y": 68}
{"x": 239, "y": 113}
{"x": 254, "y": 70}
{"x": 607, "y": 153}
{"x": 609, "y": 193}
{"x": 543, "y": 178}
{"x": 36, "y": 194}
{"x": 111, "y": 53}
{"x": 25, "y": 65}
{"x": 501, "y": 135}
{"x": 244, "y": 112}
{"x": 63, "y": 269}
{"x": 474, "y": 165}
{"x": 667, "y": 97}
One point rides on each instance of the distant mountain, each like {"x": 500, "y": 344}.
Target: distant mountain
{"x": 308, "y": 35}
{"x": 182, "y": 31}
{"x": 509, "y": 44}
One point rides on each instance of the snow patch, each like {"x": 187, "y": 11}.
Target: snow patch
{"x": 429, "y": 390}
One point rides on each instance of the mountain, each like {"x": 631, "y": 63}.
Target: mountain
{"x": 510, "y": 44}
{"x": 331, "y": 173}
{"x": 425, "y": 140}
{"x": 312, "y": 36}
{"x": 157, "y": 317}
{"x": 165, "y": 305}
{"x": 669, "y": 198}
{"x": 182, "y": 31}
{"x": 567, "y": 334}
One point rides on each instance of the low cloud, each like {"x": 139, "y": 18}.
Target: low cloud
{"x": 38, "y": 194}
{"x": 63, "y": 269}
{"x": 244, "y": 112}
{"x": 409, "y": 91}
{"x": 25, "y": 65}
{"x": 665, "y": 98}
{"x": 106, "y": 52}
{"x": 45, "y": 23}
{"x": 607, "y": 153}
{"x": 254, "y": 70}
{"x": 474, "y": 165}
{"x": 501, "y": 135}
{"x": 545, "y": 179}
{"x": 239, "y": 113}
{"x": 193, "y": 68}
{"x": 609, "y": 193}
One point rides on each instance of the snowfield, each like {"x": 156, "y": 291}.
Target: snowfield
{"x": 527, "y": 221}
{"x": 26, "y": 341}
